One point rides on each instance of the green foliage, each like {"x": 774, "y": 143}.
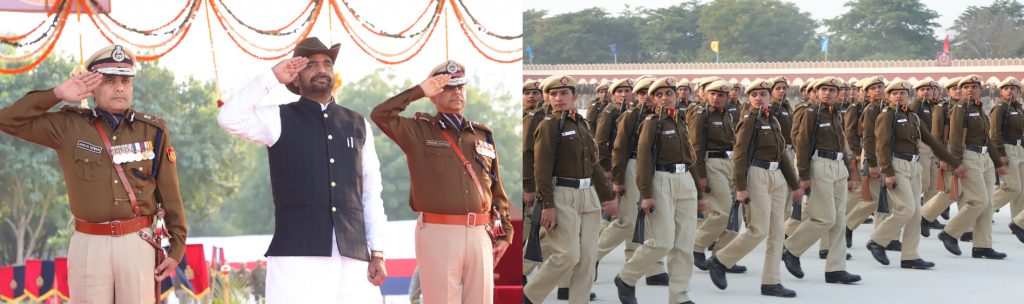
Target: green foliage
{"x": 994, "y": 31}
{"x": 755, "y": 30}
{"x": 883, "y": 29}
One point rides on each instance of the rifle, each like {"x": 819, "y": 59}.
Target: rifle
{"x": 883, "y": 197}
{"x": 533, "y": 252}
{"x": 638, "y": 231}
{"x": 865, "y": 185}
{"x": 798, "y": 208}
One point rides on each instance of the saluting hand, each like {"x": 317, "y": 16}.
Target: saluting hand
{"x": 376, "y": 272}
{"x": 548, "y": 219}
{"x": 435, "y": 84}
{"x": 78, "y": 87}
{"x": 288, "y": 69}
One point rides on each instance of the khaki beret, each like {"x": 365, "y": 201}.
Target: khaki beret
{"x": 827, "y": 81}
{"x": 719, "y": 86}
{"x": 704, "y": 82}
{"x": 898, "y": 85}
{"x": 112, "y": 60}
{"x": 776, "y": 80}
{"x": 969, "y": 79}
{"x": 760, "y": 84}
{"x": 642, "y": 84}
{"x": 952, "y": 83}
{"x": 664, "y": 82}
{"x": 1009, "y": 81}
{"x": 921, "y": 84}
{"x": 531, "y": 85}
{"x": 683, "y": 84}
{"x": 558, "y": 82}
{"x": 935, "y": 84}
{"x": 624, "y": 83}
{"x": 873, "y": 80}
{"x": 602, "y": 86}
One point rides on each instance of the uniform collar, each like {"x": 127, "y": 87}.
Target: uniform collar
{"x": 450, "y": 120}
{"x": 128, "y": 115}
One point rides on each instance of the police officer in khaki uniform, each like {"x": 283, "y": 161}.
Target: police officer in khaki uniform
{"x": 125, "y": 179}
{"x": 455, "y": 186}
{"x": 900, "y": 133}
{"x": 875, "y": 88}
{"x": 1007, "y": 132}
{"x": 624, "y": 181}
{"x": 939, "y": 203}
{"x": 923, "y": 105}
{"x": 605, "y": 132}
{"x": 827, "y": 161}
{"x": 598, "y": 104}
{"x": 684, "y": 91}
{"x": 533, "y": 111}
{"x": 762, "y": 166}
{"x": 806, "y": 102}
{"x": 670, "y": 199}
{"x": 969, "y": 140}
{"x": 712, "y": 141}
{"x": 571, "y": 186}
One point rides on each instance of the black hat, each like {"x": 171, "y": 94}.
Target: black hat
{"x": 309, "y": 47}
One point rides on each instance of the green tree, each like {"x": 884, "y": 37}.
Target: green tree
{"x": 670, "y": 34}
{"x": 994, "y": 31}
{"x": 883, "y": 30}
{"x": 755, "y": 30}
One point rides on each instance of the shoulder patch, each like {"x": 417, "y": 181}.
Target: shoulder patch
{"x": 423, "y": 116}
{"x": 547, "y": 117}
{"x": 481, "y": 127}
{"x": 77, "y": 109}
{"x": 151, "y": 119}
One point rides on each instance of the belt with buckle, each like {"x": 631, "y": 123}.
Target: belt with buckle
{"x": 572, "y": 182}
{"x": 113, "y": 228}
{"x": 906, "y": 156}
{"x": 469, "y": 219}
{"x": 1012, "y": 142}
{"x": 671, "y": 168}
{"x": 719, "y": 154}
{"x": 763, "y": 164}
{"x": 830, "y": 155}
{"x": 976, "y": 149}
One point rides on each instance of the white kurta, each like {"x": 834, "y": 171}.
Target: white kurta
{"x": 334, "y": 279}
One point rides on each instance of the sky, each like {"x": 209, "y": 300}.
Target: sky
{"x": 193, "y": 57}
{"x": 948, "y": 10}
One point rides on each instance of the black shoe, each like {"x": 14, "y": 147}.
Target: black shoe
{"x": 925, "y": 225}
{"x": 823, "y": 254}
{"x": 936, "y": 225}
{"x": 878, "y": 252}
{"x": 687, "y": 302}
{"x": 916, "y": 264}
{"x": 841, "y": 277}
{"x": 598, "y": 263}
{"x": 712, "y": 247}
{"x": 950, "y": 243}
{"x": 736, "y": 269}
{"x": 945, "y": 214}
{"x": 792, "y": 264}
{"x": 967, "y": 237}
{"x": 895, "y": 245}
{"x": 627, "y": 294}
{"x": 869, "y": 220}
{"x": 563, "y": 294}
{"x": 700, "y": 260}
{"x": 526, "y": 300}
{"x": 849, "y": 238}
{"x": 660, "y": 279}
{"x": 987, "y": 253}
{"x": 524, "y": 280}
{"x": 717, "y": 271}
{"x": 777, "y": 290}
{"x": 1018, "y": 231}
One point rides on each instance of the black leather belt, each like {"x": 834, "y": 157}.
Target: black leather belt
{"x": 718, "y": 154}
{"x": 572, "y": 182}
{"x": 830, "y": 155}
{"x": 905, "y": 156}
{"x": 672, "y": 168}
{"x": 1012, "y": 142}
{"x": 976, "y": 149}
{"x": 763, "y": 164}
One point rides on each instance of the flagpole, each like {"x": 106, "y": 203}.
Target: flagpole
{"x": 716, "y": 57}
{"x": 826, "y": 55}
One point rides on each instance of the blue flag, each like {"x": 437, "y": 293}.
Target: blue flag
{"x": 824, "y": 45}
{"x": 529, "y": 52}
{"x": 615, "y": 52}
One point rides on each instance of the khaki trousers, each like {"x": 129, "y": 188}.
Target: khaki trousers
{"x": 934, "y": 206}
{"x": 766, "y": 208}
{"x": 712, "y": 230}
{"x": 824, "y": 213}
{"x": 571, "y": 246}
{"x": 1009, "y": 191}
{"x": 929, "y": 168}
{"x": 905, "y": 210}
{"x": 975, "y": 201}
{"x": 669, "y": 231}
{"x": 111, "y": 269}
{"x": 620, "y": 229}
{"x": 456, "y": 263}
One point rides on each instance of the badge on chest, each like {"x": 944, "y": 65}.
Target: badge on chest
{"x": 132, "y": 152}
{"x": 485, "y": 149}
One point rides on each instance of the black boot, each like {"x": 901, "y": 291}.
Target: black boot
{"x": 777, "y": 290}
{"x": 526, "y": 300}
{"x": 627, "y": 294}
{"x": 849, "y": 238}
{"x": 987, "y": 253}
{"x": 841, "y": 277}
{"x": 736, "y": 269}
{"x": 563, "y": 294}
{"x": 687, "y": 302}
{"x": 700, "y": 260}
{"x": 792, "y": 264}
{"x": 895, "y": 245}
{"x": 878, "y": 252}
{"x": 950, "y": 243}
{"x": 869, "y": 220}
{"x": 598, "y": 263}
{"x": 936, "y": 225}
{"x": 967, "y": 237}
{"x": 925, "y": 225}
{"x": 916, "y": 264}
{"x": 660, "y": 279}
{"x": 717, "y": 271}
{"x": 945, "y": 214}
{"x": 1018, "y": 231}
{"x": 822, "y": 254}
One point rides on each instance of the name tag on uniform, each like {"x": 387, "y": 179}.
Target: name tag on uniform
{"x": 568, "y": 133}
{"x": 89, "y": 147}
{"x": 668, "y": 132}
{"x": 974, "y": 114}
{"x": 901, "y": 120}
{"x": 785, "y": 113}
{"x": 485, "y": 149}
{"x": 766, "y": 127}
{"x": 827, "y": 124}
{"x": 1013, "y": 113}
{"x": 732, "y": 110}
{"x": 927, "y": 111}
{"x": 438, "y": 143}
{"x": 718, "y": 123}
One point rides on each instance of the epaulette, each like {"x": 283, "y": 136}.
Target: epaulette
{"x": 424, "y": 116}
{"x": 649, "y": 117}
{"x": 150, "y": 119}
{"x": 481, "y": 126}
{"x": 79, "y": 110}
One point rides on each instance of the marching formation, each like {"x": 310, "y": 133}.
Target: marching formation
{"x": 674, "y": 177}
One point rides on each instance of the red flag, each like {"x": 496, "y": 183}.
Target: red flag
{"x": 60, "y": 266}
{"x": 945, "y": 46}
{"x": 197, "y": 271}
